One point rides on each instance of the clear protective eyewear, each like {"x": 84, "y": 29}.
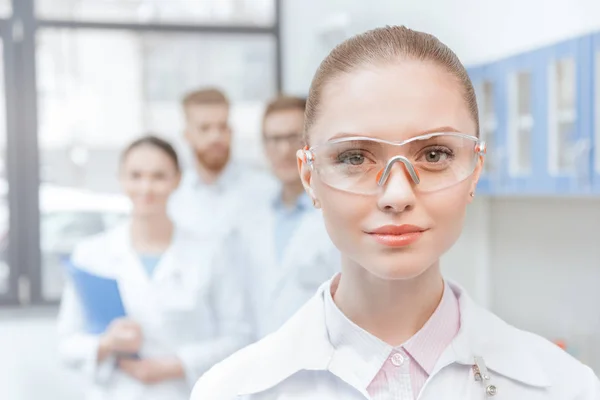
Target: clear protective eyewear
{"x": 362, "y": 165}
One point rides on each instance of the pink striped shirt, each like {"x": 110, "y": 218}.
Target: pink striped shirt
{"x": 394, "y": 372}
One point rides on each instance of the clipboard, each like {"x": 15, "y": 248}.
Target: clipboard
{"x": 99, "y": 296}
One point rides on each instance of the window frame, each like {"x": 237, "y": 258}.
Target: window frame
{"x": 19, "y": 32}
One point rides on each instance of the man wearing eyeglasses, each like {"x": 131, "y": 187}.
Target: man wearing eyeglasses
{"x": 282, "y": 248}
{"x": 213, "y": 192}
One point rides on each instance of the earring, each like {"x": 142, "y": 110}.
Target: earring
{"x": 472, "y": 194}
{"x": 316, "y": 203}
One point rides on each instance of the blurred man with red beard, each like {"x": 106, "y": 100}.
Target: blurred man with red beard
{"x": 212, "y": 193}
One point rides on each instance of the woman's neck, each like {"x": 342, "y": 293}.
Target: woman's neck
{"x": 151, "y": 234}
{"x": 392, "y": 310}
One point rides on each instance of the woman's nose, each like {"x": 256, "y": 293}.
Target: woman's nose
{"x": 398, "y": 188}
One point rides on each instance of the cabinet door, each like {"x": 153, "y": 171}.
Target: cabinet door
{"x": 521, "y": 79}
{"x": 488, "y": 90}
{"x": 566, "y": 122}
{"x": 594, "y": 103}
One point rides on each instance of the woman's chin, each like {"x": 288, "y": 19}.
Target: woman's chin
{"x": 396, "y": 267}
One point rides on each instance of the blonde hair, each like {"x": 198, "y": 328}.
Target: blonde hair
{"x": 387, "y": 45}
{"x": 203, "y": 97}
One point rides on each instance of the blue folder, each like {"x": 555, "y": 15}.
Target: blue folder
{"x": 99, "y": 296}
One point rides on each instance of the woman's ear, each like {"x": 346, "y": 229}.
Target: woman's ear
{"x": 305, "y": 175}
{"x": 475, "y": 178}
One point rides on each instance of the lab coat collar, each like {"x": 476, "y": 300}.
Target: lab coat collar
{"x": 483, "y": 334}
{"x": 303, "y": 344}
{"x": 124, "y": 252}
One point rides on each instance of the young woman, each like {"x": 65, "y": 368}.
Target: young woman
{"x": 393, "y": 160}
{"x": 181, "y": 314}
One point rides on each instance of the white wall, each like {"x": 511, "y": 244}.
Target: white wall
{"x": 533, "y": 261}
{"x": 477, "y": 30}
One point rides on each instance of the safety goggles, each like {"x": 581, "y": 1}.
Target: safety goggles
{"x": 362, "y": 165}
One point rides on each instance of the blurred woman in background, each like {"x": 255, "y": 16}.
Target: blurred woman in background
{"x": 181, "y": 316}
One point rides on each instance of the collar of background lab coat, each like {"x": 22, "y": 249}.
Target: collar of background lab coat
{"x": 303, "y": 344}
{"x": 120, "y": 242}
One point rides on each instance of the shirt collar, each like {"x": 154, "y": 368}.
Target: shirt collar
{"x": 427, "y": 345}
{"x": 367, "y": 353}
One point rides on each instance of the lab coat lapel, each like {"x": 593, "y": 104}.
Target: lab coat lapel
{"x": 300, "y": 344}
{"x": 168, "y": 267}
{"x": 303, "y": 344}
{"x": 134, "y": 284}
{"x": 484, "y": 335}
{"x": 128, "y": 268}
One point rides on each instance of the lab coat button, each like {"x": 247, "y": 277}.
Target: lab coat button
{"x": 491, "y": 390}
{"x": 397, "y": 359}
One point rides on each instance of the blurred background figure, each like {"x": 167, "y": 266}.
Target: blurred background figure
{"x": 282, "y": 245}
{"x": 180, "y": 315}
{"x": 215, "y": 187}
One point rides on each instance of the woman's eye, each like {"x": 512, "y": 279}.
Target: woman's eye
{"x": 355, "y": 159}
{"x": 435, "y": 156}
{"x": 352, "y": 158}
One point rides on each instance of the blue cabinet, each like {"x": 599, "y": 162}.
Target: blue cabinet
{"x": 520, "y": 78}
{"x": 566, "y": 121}
{"x": 537, "y": 117}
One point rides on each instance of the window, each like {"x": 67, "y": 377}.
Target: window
{"x": 562, "y": 116}
{"x": 80, "y": 146}
{"x": 5, "y": 272}
{"x": 141, "y": 92}
{"x": 84, "y": 108}
{"x": 520, "y": 122}
{"x": 5, "y": 8}
{"x": 217, "y": 12}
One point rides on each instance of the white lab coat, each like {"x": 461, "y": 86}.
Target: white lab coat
{"x": 299, "y": 362}
{"x": 187, "y": 309}
{"x": 213, "y": 209}
{"x": 279, "y": 288}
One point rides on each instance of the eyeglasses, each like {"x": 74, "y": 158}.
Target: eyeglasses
{"x": 362, "y": 165}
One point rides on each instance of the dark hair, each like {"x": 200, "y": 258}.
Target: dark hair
{"x": 156, "y": 142}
